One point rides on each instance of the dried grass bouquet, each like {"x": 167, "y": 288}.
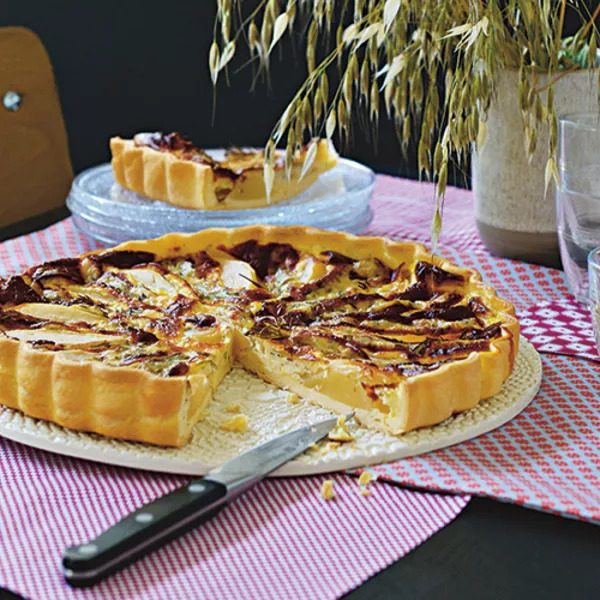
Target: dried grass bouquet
{"x": 433, "y": 62}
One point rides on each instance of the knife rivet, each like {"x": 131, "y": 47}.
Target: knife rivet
{"x": 195, "y": 488}
{"x": 144, "y": 517}
{"x": 88, "y": 549}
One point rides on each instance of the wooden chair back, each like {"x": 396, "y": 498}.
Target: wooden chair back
{"x": 35, "y": 167}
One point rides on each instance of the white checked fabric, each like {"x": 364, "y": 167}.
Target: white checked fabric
{"x": 281, "y": 540}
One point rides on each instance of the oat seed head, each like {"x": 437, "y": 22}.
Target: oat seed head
{"x": 406, "y": 47}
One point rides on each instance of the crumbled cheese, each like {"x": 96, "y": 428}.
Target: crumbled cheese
{"x": 365, "y": 478}
{"x": 233, "y": 408}
{"x": 363, "y": 491}
{"x": 314, "y": 448}
{"x": 327, "y": 490}
{"x": 239, "y": 423}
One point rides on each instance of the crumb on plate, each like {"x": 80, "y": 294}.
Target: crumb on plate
{"x": 330, "y": 446}
{"x": 239, "y": 423}
{"x": 340, "y": 433}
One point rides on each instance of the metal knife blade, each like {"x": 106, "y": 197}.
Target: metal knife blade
{"x": 254, "y": 464}
{"x": 168, "y": 517}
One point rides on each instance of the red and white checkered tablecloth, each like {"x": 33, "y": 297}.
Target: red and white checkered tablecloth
{"x": 283, "y": 537}
{"x": 281, "y": 540}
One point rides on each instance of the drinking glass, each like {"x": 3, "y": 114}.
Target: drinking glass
{"x": 578, "y": 196}
{"x": 594, "y": 291}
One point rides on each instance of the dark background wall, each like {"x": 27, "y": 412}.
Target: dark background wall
{"x": 124, "y": 66}
{"x": 131, "y": 65}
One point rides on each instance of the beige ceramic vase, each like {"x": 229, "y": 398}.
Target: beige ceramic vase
{"x": 514, "y": 216}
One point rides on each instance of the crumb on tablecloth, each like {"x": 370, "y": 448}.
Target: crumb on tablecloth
{"x": 365, "y": 478}
{"x": 327, "y": 490}
{"x": 363, "y": 483}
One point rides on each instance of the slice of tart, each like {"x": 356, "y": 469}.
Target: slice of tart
{"x": 170, "y": 168}
{"x": 126, "y": 352}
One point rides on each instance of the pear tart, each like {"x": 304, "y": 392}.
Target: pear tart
{"x": 131, "y": 342}
{"x": 170, "y": 168}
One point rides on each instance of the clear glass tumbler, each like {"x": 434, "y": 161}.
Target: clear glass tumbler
{"x": 594, "y": 291}
{"x": 578, "y": 196}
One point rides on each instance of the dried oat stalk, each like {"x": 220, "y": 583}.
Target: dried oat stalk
{"x": 431, "y": 64}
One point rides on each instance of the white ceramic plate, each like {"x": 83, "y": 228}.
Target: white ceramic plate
{"x": 270, "y": 413}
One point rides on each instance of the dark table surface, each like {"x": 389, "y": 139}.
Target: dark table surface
{"x": 490, "y": 551}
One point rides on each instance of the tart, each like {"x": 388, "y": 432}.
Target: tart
{"x": 170, "y": 168}
{"x": 131, "y": 342}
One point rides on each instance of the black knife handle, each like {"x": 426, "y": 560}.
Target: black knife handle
{"x": 144, "y": 530}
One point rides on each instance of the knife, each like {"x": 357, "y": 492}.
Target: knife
{"x": 174, "y": 514}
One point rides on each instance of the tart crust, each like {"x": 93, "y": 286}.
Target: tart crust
{"x": 133, "y": 404}
{"x": 162, "y": 175}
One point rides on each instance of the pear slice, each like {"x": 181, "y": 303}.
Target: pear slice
{"x": 235, "y": 274}
{"x": 60, "y": 313}
{"x": 71, "y": 338}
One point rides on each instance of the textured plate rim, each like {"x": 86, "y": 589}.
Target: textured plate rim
{"x": 174, "y": 466}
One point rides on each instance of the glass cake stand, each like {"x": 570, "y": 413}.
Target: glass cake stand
{"x": 103, "y": 210}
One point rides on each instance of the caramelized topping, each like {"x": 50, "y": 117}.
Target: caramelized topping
{"x": 425, "y": 271}
{"x": 487, "y": 333}
{"x": 410, "y": 326}
{"x": 202, "y": 320}
{"x": 203, "y": 263}
{"x": 415, "y": 292}
{"x": 180, "y": 306}
{"x": 12, "y": 319}
{"x": 179, "y": 369}
{"x": 69, "y": 268}
{"x": 15, "y": 291}
{"x": 165, "y": 142}
{"x": 236, "y": 161}
{"x": 265, "y": 259}
{"x": 143, "y": 337}
{"x": 124, "y": 259}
